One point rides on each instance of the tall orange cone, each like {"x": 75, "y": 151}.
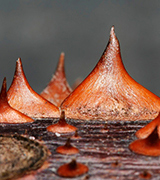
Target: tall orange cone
{"x": 23, "y": 98}
{"x": 7, "y": 113}
{"x": 109, "y": 93}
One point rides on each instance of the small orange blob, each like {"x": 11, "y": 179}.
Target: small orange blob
{"x": 58, "y": 88}
{"x": 67, "y": 148}
{"x": 116, "y": 164}
{"x": 72, "y": 169}
{"x": 76, "y": 135}
{"x": 145, "y": 175}
{"x": 61, "y": 126}
{"x": 23, "y": 98}
{"x": 7, "y": 113}
{"x": 105, "y": 128}
{"x": 149, "y": 142}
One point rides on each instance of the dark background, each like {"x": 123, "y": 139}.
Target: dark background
{"x": 39, "y": 30}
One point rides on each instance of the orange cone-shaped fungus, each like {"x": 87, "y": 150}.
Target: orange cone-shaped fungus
{"x": 61, "y": 126}
{"x": 149, "y": 142}
{"x": 23, "y": 98}
{"x": 7, "y": 113}
{"x": 72, "y": 169}
{"x": 76, "y": 135}
{"x": 58, "y": 88}
{"x": 67, "y": 148}
{"x": 109, "y": 93}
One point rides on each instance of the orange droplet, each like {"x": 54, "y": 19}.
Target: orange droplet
{"x": 7, "y": 113}
{"x": 23, "y": 98}
{"x": 58, "y": 88}
{"x": 72, "y": 169}
{"x": 67, "y": 148}
{"x": 61, "y": 126}
{"x": 109, "y": 93}
{"x": 145, "y": 175}
{"x": 149, "y": 144}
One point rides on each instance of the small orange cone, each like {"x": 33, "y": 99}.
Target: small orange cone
{"x": 58, "y": 88}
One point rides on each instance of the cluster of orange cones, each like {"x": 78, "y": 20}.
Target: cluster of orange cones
{"x": 107, "y": 93}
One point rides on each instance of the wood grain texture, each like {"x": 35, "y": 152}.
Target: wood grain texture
{"x": 106, "y": 153}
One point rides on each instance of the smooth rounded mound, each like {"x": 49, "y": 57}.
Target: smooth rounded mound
{"x": 67, "y": 148}
{"x": 61, "y": 126}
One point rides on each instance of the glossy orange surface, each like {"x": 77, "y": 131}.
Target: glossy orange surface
{"x": 109, "y": 92}
{"x": 23, "y": 98}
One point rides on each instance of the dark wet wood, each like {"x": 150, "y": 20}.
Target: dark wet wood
{"x": 106, "y": 152}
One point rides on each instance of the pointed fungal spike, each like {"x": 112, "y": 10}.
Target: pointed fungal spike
{"x": 109, "y": 92}
{"x": 62, "y": 120}
{"x": 58, "y": 88}
{"x": 149, "y": 146}
{"x": 113, "y": 37}
{"x": 72, "y": 169}
{"x": 68, "y": 143}
{"x": 67, "y": 148}
{"x": 61, "y": 126}
{"x": 7, "y": 113}
{"x": 23, "y": 98}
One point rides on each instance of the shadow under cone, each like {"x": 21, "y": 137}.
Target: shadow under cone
{"x": 58, "y": 88}
{"x": 109, "y": 93}
{"x": 7, "y": 113}
{"x": 23, "y": 98}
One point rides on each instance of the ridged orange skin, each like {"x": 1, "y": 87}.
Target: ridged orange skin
{"x": 109, "y": 92}
{"x": 23, "y": 98}
{"x": 58, "y": 88}
{"x": 7, "y": 113}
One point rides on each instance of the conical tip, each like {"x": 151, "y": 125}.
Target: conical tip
{"x": 19, "y": 60}
{"x": 18, "y": 64}
{"x": 3, "y": 89}
{"x": 113, "y": 37}
{"x": 62, "y": 54}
